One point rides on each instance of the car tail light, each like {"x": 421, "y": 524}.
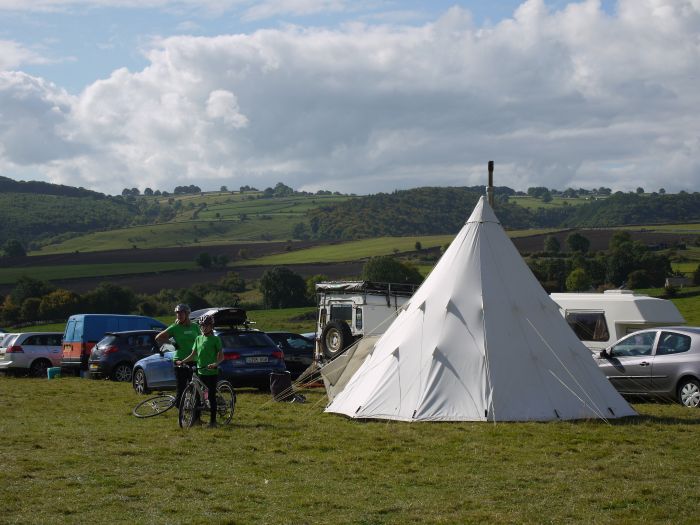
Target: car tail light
{"x": 279, "y": 354}
{"x": 231, "y": 356}
{"x": 14, "y": 349}
{"x": 110, "y": 350}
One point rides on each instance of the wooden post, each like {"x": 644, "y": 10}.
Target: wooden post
{"x": 489, "y": 188}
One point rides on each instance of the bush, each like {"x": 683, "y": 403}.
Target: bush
{"x": 638, "y": 279}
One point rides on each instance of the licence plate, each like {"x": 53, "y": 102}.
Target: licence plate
{"x": 257, "y": 359}
{"x": 93, "y": 367}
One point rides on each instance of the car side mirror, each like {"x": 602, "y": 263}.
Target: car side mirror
{"x": 604, "y": 354}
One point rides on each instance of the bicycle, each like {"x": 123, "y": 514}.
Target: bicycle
{"x": 195, "y": 401}
{"x": 154, "y": 406}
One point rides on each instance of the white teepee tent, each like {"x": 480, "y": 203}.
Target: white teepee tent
{"x": 479, "y": 341}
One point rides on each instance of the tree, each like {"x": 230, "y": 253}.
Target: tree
{"x": 578, "y": 281}
{"x": 283, "y": 288}
{"x": 418, "y": 246}
{"x": 389, "y": 270}
{"x": 29, "y": 311}
{"x": 27, "y": 287}
{"x": 638, "y": 279}
{"x": 109, "y": 298}
{"x": 148, "y": 192}
{"x": 578, "y": 243}
{"x": 551, "y": 244}
{"x": 203, "y": 260}
{"x": 13, "y": 248}
{"x": 696, "y": 276}
{"x": 223, "y": 188}
{"x": 662, "y": 191}
{"x": 300, "y": 231}
{"x": 640, "y": 190}
{"x": 311, "y": 283}
{"x": 59, "y": 304}
{"x": 547, "y": 197}
{"x": 232, "y": 282}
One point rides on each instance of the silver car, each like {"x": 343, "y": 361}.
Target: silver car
{"x": 31, "y": 352}
{"x": 660, "y": 362}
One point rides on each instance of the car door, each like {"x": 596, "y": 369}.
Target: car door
{"x": 671, "y": 360}
{"x": 627, "y": 364}
{"x": 159, "y": 370}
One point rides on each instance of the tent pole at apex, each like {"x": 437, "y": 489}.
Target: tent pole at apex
{"x": 489, "y": 188}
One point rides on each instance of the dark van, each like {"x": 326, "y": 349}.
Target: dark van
{"x": 83, "y": 331}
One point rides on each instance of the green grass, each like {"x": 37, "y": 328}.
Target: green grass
{"x": 689, "y": 305}
{"x": 74, "y": 271}
{"x": 290, "y": 319}
{"x": 220, "y": 222}
{"x": 667, "y": 228}
{"x": 556, "y": 202}
{"x": 73, "y": 453}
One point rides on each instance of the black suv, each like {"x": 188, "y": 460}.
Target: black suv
{"x": 115, "y": 354}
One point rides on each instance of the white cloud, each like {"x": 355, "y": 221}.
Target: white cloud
{"x": 574, "y": 97}
{"x": 14, "y": 55}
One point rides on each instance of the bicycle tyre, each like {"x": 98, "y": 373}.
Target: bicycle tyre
{"x": 188, "y": 407}
{"x": 154, "y": 406}
{"x": 225, "y": 402}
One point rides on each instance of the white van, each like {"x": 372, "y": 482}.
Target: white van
{"x": 600, "y": 319}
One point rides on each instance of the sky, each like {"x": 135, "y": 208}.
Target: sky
{"x": 356, "y": 96}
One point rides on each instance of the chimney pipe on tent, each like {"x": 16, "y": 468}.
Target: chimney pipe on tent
{"x": 489, "y": 189}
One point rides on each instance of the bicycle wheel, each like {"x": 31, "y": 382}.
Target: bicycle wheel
{"x": 154, "y": 405}
{"x": 188, "y": 407}
{"x": 225, "y": 402}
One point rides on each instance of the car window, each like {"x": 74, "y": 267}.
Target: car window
{"x": 588, "y": 326}
{"x": 672, "y": 343}
{"x": 341, "y": 313}
{"x": 299, "y": 343}
{"x": 35, "y": 340}
{"x": 634, "y": 345}
{"x": 244, "y": 339}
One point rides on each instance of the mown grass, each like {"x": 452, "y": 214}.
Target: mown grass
{"x": 73, "y": 271}
{"x": 556, "y": 202}
{"x": 73, "y": 453}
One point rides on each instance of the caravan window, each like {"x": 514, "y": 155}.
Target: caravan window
{"x": 588, "y": 326}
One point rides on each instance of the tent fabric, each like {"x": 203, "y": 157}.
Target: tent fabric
{"x": 480, "y": 340}
{"x": 340, "y": 370}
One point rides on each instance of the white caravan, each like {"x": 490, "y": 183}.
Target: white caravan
{"x": 601, "y": 319}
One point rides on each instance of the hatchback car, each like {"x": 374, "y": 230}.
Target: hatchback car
{"x": 249, "y": 356}
{"x": 32, "y": 352}
{"x": 298, "y": 351}
{"x": 115, "y": 354}
{"x": 662, "y": 363}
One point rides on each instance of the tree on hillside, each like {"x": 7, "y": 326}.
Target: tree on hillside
{"x": 283, "y": 288}
{"x": 13, "y": 248}
{"x": 578, "y": 243}
{"x": 109, "y": 298}
{"x": 551, "y": 244}
{"x": 204, "y": 260}
{"x": 578, "y": 281}
{"x": 27, "y": 287}
{"x": 389, "y": 270}
{"x": 59, "y": 304}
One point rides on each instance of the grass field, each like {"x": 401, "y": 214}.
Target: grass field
{"x": 221, "y": 221}
{"x": 556, "y": 202}
{"x": 50, "y": 273}
{"x": 73, "y": 453}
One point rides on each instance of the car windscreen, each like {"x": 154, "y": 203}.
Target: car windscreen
{"x": 244, "y": 339}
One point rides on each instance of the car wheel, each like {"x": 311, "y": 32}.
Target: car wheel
{"x": 336, "y": 336}
{"x": 689, "y": 393}
{"x": 122, "y": 372}
{"x": 39, "y": 368}
{"x": 139, "y": 382}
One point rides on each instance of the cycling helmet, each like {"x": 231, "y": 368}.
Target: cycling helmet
{"x": 206, "y": 319}
{"x": 182, "y": 307}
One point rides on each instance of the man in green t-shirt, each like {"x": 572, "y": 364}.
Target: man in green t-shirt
{"x": 184, "y": 332}
{"x": 208, "y": 352}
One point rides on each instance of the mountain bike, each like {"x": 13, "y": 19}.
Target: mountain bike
{"x": 154, "y": 406}
{"x": 195, "y": 402}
